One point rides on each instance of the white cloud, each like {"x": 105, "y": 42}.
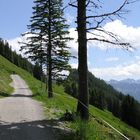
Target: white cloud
{"x": 74, "y": 65}
{"x": 123, "y": 71}
{"x": 137, "y": 57}
{"x": 73, "y": 43}
{"x": 15, "y": 44}
{"x": 131, "y": 70}
{"x": 125, "y": 33}
{"x": 111, "y": 59}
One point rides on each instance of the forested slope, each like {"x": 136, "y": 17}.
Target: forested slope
{"x": 105, "y": 97}
{"x": 19, "y": 60}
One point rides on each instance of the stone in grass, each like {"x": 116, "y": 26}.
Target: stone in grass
{"x": 68, "y": 116}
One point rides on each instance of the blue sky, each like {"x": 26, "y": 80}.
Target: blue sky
{"x": 105, "y": 61}
{"x": 14, "y": 15}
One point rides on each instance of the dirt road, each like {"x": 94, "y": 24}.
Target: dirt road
{"x": 21, "y": 117}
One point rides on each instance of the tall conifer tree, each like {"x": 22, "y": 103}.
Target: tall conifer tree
{"x": 49, "y": 34}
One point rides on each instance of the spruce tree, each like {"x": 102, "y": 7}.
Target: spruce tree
{"x": 49, "y": 34}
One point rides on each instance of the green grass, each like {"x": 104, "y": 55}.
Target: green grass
{"x": 94, "y": 129}
{"x": 5, "y": 80}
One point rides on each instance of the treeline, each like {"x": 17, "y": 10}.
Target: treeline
{"x": 105, "y": 97}
{"x": 18, "y": 60}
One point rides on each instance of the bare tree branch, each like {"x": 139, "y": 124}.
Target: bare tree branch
{"x": 97, "y": 25}
{"x": 112, "y": 35}
{"x": 116, "y": 12}
{"x": 126, "y": 46}
{"x": 73, "y": 4}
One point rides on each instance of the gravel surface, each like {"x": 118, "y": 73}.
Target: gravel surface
{"x": 21, "y": 117}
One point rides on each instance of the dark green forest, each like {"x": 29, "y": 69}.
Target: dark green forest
{"x": 18, "y": 60}
{"x": 105, "y": 97}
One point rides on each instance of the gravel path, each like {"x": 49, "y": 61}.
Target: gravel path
{"x": 21, "y": 117}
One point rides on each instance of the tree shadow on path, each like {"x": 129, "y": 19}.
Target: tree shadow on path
{"x": 35, "y": 130}
{"x": 3, "y": 94}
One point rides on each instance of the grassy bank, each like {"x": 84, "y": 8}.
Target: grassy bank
{"x": 5, "y": 80}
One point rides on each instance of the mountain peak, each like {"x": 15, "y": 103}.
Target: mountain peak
{"x": 127, "y": 86}
{"x": 129, "y": 80}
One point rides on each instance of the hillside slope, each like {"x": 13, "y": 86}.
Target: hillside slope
{"x": 5, "y": 80}
{"x": 55, "y": 107}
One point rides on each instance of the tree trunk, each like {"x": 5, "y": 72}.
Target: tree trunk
{"x": 41, "y": 75}
{"x": 83, "y": 102}
{"x": 50, "y": 94}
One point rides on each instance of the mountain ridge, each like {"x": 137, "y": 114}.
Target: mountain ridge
{"x": 127, "y": 86}
{"x": 128, "y": 80}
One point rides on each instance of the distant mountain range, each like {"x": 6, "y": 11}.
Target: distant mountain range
{"x": 127, "y": 86}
